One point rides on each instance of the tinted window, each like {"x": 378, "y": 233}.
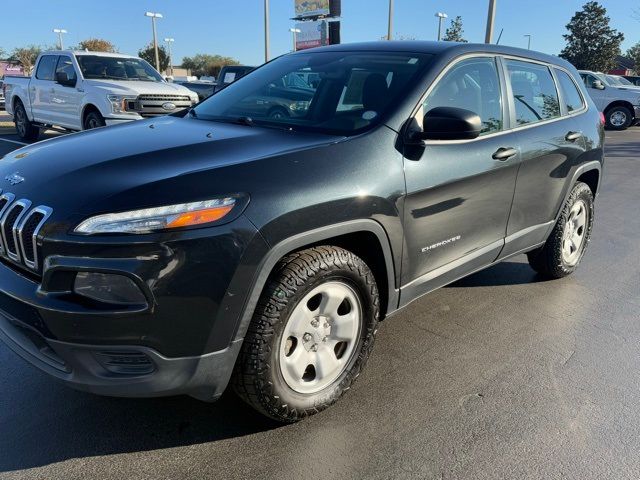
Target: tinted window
{"x": 46, "y": 67}
{"x": 570, "y": 93}
{"x": 473, "y": 85}
{"x": 534, "y": 92}
{"x": 330, "y": 92}
{"x": 66, "y": 66}
{"x": 588, "y": 79}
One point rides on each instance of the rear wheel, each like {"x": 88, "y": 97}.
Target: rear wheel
{"x": 93, "y": 119}
{"x": 310, "y": 336}
{"x": 618, "y": 118}
{"x": 26, "y": 130}
{"x": 278, "y": 113}
{"x": 568, "y": 241}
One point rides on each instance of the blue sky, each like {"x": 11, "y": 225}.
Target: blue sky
{"x": 235, "y": 27}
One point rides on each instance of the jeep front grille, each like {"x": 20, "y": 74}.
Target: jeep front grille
{"x": 19, "y": 228}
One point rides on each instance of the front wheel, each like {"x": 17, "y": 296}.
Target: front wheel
{"x": 618, "y": 118}
{"x": 568, "y": 241}
{"x": 311, "y": 334}
{"x": 26, "y": 130}
{"x": 93, "y": 120}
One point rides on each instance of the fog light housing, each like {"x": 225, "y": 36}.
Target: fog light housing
{"x": 108, "y": 288}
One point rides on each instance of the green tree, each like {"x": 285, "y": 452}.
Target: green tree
{"x": 2, "y": 52}
{"x": 96, "y": 45}
{"x": 455, "y": 31}
{"x": 148, "y": 54}
{"x": 26, "y": 56}
{"x": 205, "y": 64}
{"x": 634, "y": 54}
{"x": 591, "y": 42}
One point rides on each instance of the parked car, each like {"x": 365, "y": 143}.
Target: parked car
{"x": 620, "y": 104}
{"x": 2, "y": 94}
{"x": 619, "y": 81}
{"x": 203, "y": 89}
{"x": 633, "y": 79}
{"x": 84, "y": 90}
{"x": 230, "y": 74}
{"x": 224, "y": 245}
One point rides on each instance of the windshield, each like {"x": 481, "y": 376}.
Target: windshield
{"x": 96, "y": 67}
{"x": 330, "y": 92}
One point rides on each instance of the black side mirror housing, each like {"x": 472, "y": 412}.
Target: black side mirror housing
{"x": 598, "y": 85}
{"x": 63, "y": 79}
{"x": 450, "y": 123}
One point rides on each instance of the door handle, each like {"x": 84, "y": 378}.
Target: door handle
{"x": 572, "y": 136}
{"x": 503, "y": 154}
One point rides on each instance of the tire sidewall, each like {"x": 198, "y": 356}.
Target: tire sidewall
{"x": 97, "y": 117}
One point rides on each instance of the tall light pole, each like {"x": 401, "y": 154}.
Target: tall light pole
{"x": 169, "y": 41}
{"x": 390, "y": 25}
{"x": 295, "y": 32}
{"x": 155, "y": 36}
{"x": 60, "y": 31}
{"x": 528, "y": 35}
{"x": 441, "y": 16}
{"x": 491, "y": 17}
{"x": 266, "y": 30}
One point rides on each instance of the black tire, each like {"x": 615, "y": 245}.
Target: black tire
{"x": 92, "y": 120}
{"x": 549, "y": 260}
{"x": 26, "y": 130}
{"x": 278, "y": 113}
{"x": 614, "y": 115}
{"x": 258, "y": 378}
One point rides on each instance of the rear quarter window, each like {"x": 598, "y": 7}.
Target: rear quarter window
{"x": 570, "y": 94}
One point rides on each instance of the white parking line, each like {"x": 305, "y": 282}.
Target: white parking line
{"x": 13, "y": 141}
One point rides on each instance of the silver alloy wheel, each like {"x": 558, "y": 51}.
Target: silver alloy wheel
{"x": 319, "y": 339}
{"x": 618, "y": 118}
{"x": 574, "y": 233}
{"x": 21, "y": 126}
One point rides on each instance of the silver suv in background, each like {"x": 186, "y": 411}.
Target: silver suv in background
{"x": 619, "y": 103}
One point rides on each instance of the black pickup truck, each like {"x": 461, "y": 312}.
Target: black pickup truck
{"x": 224, "y": 245}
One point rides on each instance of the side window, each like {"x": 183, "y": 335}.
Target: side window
{"x": 534, "y": 92}
{"x": 588, "y": 79}
{"x": 66, "y": 66}
{"x": 46, "y": 67}
{"x": 473, "y": 85}
{"x": 570, "y": 94}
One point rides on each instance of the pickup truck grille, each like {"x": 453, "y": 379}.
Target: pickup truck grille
{"x": 19, "y": 228}
{"x": 156, "y": 105}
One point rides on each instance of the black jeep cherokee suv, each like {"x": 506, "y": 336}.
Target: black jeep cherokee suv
{"x": 225, "y": 245}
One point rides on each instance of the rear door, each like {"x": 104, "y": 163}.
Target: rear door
{"x": 41, "y": 89}
{"x": 458, "y": 192}
{"x": 551, "y": 142}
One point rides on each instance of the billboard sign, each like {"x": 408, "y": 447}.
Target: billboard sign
{"x": 312, "y": 34}
{"x": 10, "y": 69}
{"x": 311, "y": 8}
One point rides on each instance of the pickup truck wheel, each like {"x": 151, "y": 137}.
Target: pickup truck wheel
{"x": 311, "y": 334}
{"x": 93, "y": 120}
{"x": 278, "y": 113}
{"x": 26, "y": 130}
{"x": 618, "y": 118}
{"x": 568, "y": 241}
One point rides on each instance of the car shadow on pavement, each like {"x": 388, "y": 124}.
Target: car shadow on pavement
{"x": 504, "y": 273}
{"x": 78, "y": 425}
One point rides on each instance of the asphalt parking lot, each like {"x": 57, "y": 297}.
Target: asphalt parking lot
{"x": 500, "y": 375}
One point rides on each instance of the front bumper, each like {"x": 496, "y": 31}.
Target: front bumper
{"x": 636, "y": 113}
{"x": 122, "y": 371}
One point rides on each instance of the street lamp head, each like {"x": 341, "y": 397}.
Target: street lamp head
{"x": 59, "y": 30}
{"x": 153, "y": 14}
{"x": 295, "y": 30}
{"x": 169, "y": 40}
{"x": 441, "y": 15}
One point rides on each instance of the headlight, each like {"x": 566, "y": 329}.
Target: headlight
{"x": 159, "y": 218}
{"x": 299, "y": 106}
{"x": 119, "y": 103}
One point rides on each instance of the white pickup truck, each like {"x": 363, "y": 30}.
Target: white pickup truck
{"x": 79, "y": 90}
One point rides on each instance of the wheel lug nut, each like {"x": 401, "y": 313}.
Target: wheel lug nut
{"x": 314, "y": 348}
{"x": 325, "y": 339}
{"x": 306, "y": 337}
{"x": 314, "y": 323}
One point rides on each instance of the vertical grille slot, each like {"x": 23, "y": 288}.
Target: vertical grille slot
{"x": 5, "y": 202}
{"x": 9, "y": 221}
{"x": 27, "y": 235}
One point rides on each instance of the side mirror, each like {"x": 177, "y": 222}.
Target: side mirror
{"x": 450, "y": 123}
{"x": 63, "y": 79}
{"x": 598, "y": 85}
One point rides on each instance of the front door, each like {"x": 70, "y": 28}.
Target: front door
{"x": 459, "y": 193}
{"x": 41, "y": 89}
{"x": 67, "y": 100}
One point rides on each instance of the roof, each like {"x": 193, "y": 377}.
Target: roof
{"x": 84, "y": 52}
{"x": 436, "y": 48}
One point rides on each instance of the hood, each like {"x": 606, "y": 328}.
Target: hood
{"x": 140, "y": 87}
{"x": 145, "y": 163}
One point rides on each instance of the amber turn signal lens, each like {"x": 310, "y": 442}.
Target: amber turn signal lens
{"x": 199, "y": 217}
